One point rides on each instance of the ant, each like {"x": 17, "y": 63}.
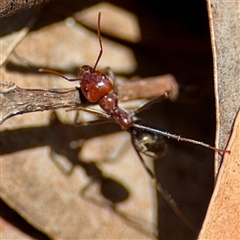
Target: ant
{"x": 97, "y": 88}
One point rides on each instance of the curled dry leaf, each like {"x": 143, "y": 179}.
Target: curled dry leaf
{"x": 222, "y": 219}
{"x": 224, "y": 28}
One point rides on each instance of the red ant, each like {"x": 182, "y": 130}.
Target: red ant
{"x": 97, "y": 88}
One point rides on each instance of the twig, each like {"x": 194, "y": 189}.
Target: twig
{"x": 9, "y": 7}
{"x": 16, "y": 100}
{"x": 148, "y": 88}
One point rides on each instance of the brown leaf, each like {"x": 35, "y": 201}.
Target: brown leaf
{"x": 222, "y": 219}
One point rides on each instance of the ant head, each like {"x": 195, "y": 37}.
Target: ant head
{"x": 94, "y": 84}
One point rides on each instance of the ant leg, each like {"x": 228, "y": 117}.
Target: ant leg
{"x": 165, "y": 195}
{"x": 90, "y": 110}
{"x": 149, "y": 103}
{"x": 104, "y": 117}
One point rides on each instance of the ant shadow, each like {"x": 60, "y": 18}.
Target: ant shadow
{"x": 112, "y": 191}
{"x": 58, "y": 137}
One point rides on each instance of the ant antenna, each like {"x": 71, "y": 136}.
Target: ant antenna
{"x": 100, "y": 43}
{"x": 97, "y": 61}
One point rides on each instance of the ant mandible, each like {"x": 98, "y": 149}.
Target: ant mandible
{"x": 97, "y": 88}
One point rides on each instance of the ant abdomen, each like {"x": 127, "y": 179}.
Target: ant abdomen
{"x": 94, "y": 84}
{"x": 149, "y": 143}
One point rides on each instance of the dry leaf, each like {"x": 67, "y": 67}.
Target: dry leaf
{"x": 224, "y": 26}
{"x": 222, "y": 219}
